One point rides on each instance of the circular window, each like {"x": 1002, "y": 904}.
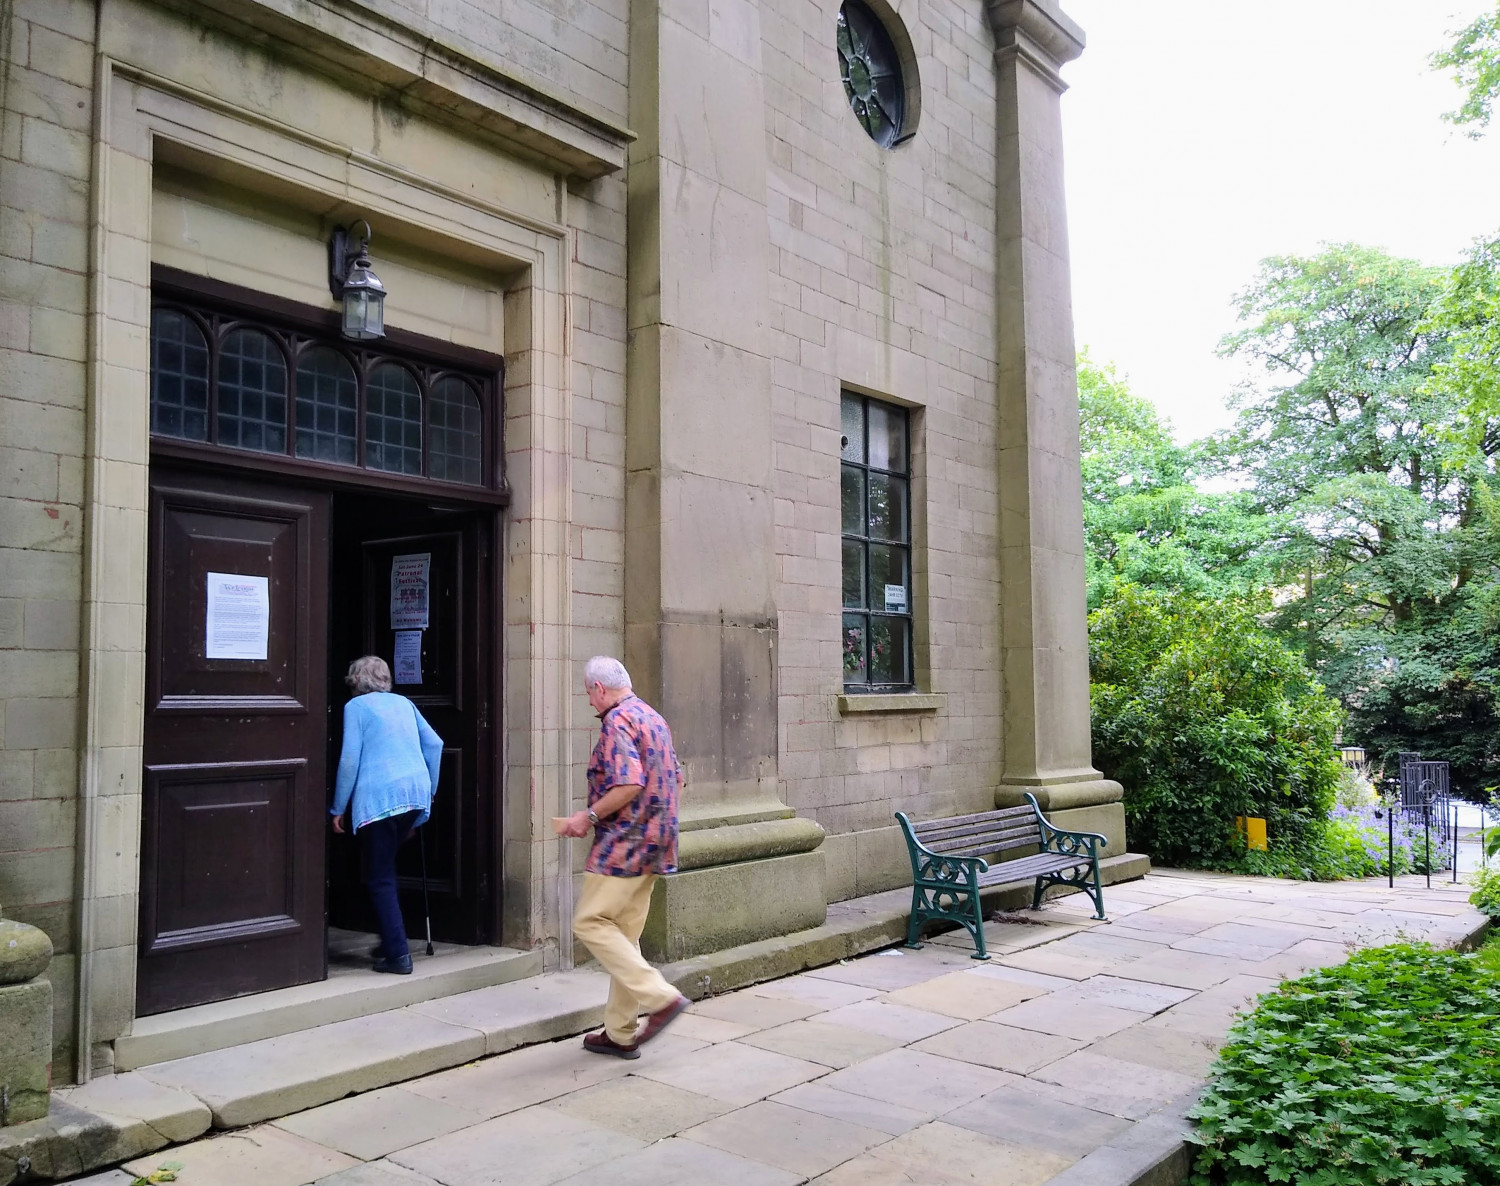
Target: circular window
{"x": 871, "y": 72}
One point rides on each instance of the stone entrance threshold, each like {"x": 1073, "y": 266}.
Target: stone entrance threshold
{"x": 1070, "y": 1059}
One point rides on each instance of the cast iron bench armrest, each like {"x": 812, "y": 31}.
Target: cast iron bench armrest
{"x": 949, "y": 872}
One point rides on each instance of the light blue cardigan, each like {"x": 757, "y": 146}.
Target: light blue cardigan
{"x": 389, "y": 764}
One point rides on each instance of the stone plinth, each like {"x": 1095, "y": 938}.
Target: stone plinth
{"x": 721, "y": 906}
{"x": 25, "y": 1023}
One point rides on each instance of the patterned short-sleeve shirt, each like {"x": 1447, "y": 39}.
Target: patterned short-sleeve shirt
{"x": 635, "y": 749}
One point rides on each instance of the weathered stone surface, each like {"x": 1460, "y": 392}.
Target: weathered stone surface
{"x": 724, "y": 906}
{"x": 25, "y": 951}
{"x": 26, "y": 1046}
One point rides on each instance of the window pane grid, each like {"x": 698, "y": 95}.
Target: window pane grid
{"x": 327, "y": 407}
{"x": 455, "y": 436}
{"x": 252, "y": 393}
{"x": 179, "y": 376}
{"x": 876, "y": 521}
{"x": 393, "y": 421}
{"x": 224, "y": 380}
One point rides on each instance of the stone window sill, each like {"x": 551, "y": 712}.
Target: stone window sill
{"x": 892, "y": 702}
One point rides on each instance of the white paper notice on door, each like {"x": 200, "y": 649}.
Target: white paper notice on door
{"x": 409, "y": 591}
{"x": 239, "y": 616}
{"x": 408, "y": 657}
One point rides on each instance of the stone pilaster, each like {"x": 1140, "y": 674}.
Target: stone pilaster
{"x": 1044, "y": 620}
{"x": 700, "y": 612}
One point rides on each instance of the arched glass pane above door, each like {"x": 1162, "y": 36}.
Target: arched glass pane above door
{"x": 327, "y": 407}
{"x": 455, "y": 439}
{"x": 393, "y": 421}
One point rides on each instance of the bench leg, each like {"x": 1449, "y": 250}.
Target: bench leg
{"x": 977, "y": 928}
{"x": 1036, "y": 895}
{"x": 915, "y": 921}
{"x": 1096, "y": 891}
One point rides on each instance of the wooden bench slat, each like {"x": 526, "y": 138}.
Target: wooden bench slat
{"x": 979, "y": 845}
{"x": 979, "y": 829}
{"x": 1028, "y": 867}
{"x": 978, "y": 817}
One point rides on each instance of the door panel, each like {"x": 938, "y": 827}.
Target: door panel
{"x": 453, "y": 695}
{"x": 233, "y": 818}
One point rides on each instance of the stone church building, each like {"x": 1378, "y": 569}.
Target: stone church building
{"x": 731, "y": 337}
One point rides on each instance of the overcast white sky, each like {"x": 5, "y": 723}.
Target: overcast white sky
{"x": 1205, "y": 135}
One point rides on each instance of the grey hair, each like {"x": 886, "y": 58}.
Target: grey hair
{"x": 369, "y": 673}
{"x": 601, "y": 669}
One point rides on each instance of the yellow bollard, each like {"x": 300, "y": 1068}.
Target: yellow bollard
{"x": 1253, "y": 829}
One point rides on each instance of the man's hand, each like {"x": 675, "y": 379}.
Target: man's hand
{"x": 577, "y": 825}
{"x": 338, "y": 823}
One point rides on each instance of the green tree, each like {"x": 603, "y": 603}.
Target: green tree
{"x": 1146, "y": 521}
{"x": 1204, "y": 716}
{"x": 1474, "y": 58}
{"x": 1360, "y": 436}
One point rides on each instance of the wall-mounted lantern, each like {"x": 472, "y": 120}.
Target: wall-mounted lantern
{"x": 352, "y": 281}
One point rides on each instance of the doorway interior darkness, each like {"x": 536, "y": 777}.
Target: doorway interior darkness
{"x": 298, "y": 468}
{"x": 449, "y": 682}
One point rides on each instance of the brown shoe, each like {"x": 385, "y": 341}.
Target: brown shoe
{"x": 658, "y": 1021}
{"x": 602, "y": 1043}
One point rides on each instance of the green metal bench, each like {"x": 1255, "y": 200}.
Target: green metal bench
{"x": 948, "y": 868}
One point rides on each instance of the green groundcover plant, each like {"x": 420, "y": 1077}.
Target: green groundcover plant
{"x": 1385, "y": 1070}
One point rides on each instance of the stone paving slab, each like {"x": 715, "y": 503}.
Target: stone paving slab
{"x": 870, "y": 1071}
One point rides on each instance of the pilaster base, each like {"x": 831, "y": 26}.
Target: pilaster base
{"x": 719, "y": 906}
{"x": 1090, "y": 806}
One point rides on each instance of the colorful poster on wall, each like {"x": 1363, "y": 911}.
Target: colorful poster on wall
{"x": 408, "y": 667}
{"x": 239, "y": 616}
{"x": 409, "y": 591}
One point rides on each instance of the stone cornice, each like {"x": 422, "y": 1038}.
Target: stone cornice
{"x": 376, "y": 50}
{"x": 1038, "y": 32}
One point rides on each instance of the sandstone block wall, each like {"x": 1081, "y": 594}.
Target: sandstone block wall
{"x": 884, "y": 280}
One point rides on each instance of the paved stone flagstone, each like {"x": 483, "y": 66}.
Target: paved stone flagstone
{"x": 1070, "y": 1057}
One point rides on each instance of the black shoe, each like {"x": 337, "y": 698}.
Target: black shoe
{"x": 377, "y": 953}
{"x": 400, "y": 967}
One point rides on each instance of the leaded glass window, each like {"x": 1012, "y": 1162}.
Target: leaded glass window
{"x": 393, "y": 421}
{"x": 454, "y": 440}
{"x": 179, "y": 376}
{"x": 252, "y": 392}
{"x": 270, "y": 384}
{"x": 875, "y": 476}
{"x": 871, "y": 73}
{"x": 327, "y": 407}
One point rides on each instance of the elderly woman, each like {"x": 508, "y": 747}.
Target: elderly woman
{"x": 389, "y": 768}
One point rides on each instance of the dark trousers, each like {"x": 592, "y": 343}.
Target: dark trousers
{"x": 378, "y": 842}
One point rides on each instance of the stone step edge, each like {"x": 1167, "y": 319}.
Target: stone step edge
{"x": 223, "y": 1024}
{"x": 71, "y": 1141}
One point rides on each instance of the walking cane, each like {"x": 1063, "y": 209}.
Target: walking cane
{"x": 426, "y": 909}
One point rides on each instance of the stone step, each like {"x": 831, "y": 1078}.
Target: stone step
{"x": 345, "y": 994}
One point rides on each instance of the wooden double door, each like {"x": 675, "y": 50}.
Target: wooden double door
{"x": 260, "y": 593}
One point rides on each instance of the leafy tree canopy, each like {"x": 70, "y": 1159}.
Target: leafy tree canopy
{"x": 1474, "y": 58}
{"x": 1362, "y": 437}
{"x": 1145, "y": 519}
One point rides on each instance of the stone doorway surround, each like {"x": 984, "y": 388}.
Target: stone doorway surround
{"x": 159, "y": 103}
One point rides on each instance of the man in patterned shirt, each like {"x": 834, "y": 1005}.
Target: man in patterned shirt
{"x": 633, "y": 780}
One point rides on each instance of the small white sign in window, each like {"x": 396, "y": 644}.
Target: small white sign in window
{"x": 895, "y": 598}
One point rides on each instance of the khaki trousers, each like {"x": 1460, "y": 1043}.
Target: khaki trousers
{"x": 610, "y": 916}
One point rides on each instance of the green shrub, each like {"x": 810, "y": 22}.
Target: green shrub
{"x": 1486, "y": 895}
{"x": 1384, "y": 1071}
{"x": 1203, "y": 716}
